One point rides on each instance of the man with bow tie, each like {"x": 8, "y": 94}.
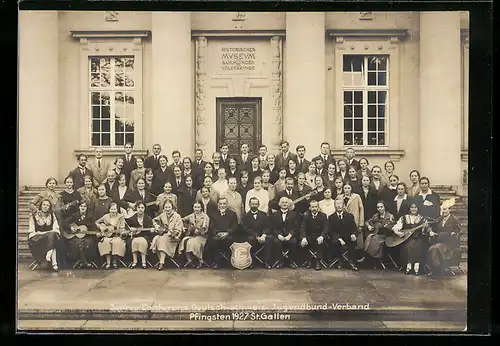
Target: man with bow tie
{"x": 223, "y": 225}
{"x": 153, "y": 160}
{"x": 129, "y": 162}
{"x": 256, "y": 231}
{"x": 79, "y": 173}
{"x": 284, "y": 224}
{"x": 313, "y": 232}
{"x": 342, "y": 232}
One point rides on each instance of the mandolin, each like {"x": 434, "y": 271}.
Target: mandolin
{"x": 394, "y": 240}
{"x": 307, "y": 195}
{"x": 80, "y": 232}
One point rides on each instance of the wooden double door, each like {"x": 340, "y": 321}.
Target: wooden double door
{"x": 239, "y": 121}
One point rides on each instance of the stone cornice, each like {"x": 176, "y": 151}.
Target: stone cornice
{"x": 392, "y": 34}
{"x": 393, "y": 154}
{"x": 237, "y": 33}
{"x": 111, "y": 152}
{"x": 79, "y": 34}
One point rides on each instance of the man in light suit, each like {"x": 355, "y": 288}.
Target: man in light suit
{"x": 99, "y": 167}
{"x": 285, "y": 155}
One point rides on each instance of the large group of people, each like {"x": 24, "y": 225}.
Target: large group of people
{"x": 292, "y": 211}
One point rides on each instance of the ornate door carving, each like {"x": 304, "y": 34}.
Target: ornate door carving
{"x": 239, "y": 122}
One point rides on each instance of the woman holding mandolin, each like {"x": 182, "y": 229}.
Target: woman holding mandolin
{"x": 79, "y": 231}
{"x": 112, "y": 229}
{"x": 412, "y": 229}
{"x": 140, "y": 225}
{"x": 169, "y": 228}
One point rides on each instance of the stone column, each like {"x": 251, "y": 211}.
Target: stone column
{"x": 304, "y": 116}
{"x": 440, "y": 97}
{"x": 38, "y": 97}
{"x": 172, "y": 110}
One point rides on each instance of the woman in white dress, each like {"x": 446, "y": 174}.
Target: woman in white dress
{"x": 111, "y": 244}
{"x": 193, "y": 243}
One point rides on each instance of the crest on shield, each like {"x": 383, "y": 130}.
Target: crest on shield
{"x": 241, "y": 257}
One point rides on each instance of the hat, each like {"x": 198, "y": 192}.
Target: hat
{"x": 448, "y": 203}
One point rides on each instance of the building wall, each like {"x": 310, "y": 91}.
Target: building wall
{"x": 70, "y": 133}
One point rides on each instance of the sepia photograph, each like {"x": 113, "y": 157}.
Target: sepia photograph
{"x": 242, "y": 171}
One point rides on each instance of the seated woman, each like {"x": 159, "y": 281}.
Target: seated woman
{"x": 70, "y": 199}
{"x": 166, "y": 195}
{"x": 100, "y": 205}
{"x": 327, "y": 205}
{"x": 49, "y": 193}
{"x": 139, "y": 172}
{"x": 111, "y": 227}
{"x": 193, "y": 243}
{"x": 414, "y": 248}
{"x": 169, "y": 227}
{"x": 445, "y": 241}
{"x": 378, "y": 227}
{"x": 140, "y": 239}
{"x": 87, "y": 191}
{"x": 44, "y": 239}
{"x": 81, "y": 248}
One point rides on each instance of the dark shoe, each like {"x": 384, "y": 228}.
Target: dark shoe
{"x": 308, "y": 266}
{"x": 199, "y": 265}
{"x": 293, "y": 265}
{"x": 144, "y": 266}
{"x": 88, "y": 266}
{"x": 353, "y": 267}
{"x": 160, "y": 266}
{"x": 407, "y": 272}
{"x": 107, "y": 266}
{"x": 215, "y": 266}
{"x": 133, "y": 265}
{"x": 267, "y": 266}
{"x": 279, "y": 265}
{"x": 55, "y": 268}
{"x": 81, "y": 265}
{"x": 115, "y": 266}
{"x": 318, "y": 266}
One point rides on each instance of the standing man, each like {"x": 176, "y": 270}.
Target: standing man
{"x": 285, "y": 155}
{"x": 176, "y": 156}
{"x": 129, "y": 162}
{"x": 243, "y": 160}
{"x": 177, "y": 181}
{"x": 320, "y": 167}
{"x": 198, "y": 163}
{"x": 79, "y": 173}
{"x": 325, "y": 155}
{"x": 216, "y": 161}
{"x": 284, "y": 227}
{"x": 153, "y": 160}
{"x": 222, "y": 226}
{"x": 263, "y": 156}
{"x": 99, "y": 167}
{"x": 342, "y": 231}
{"x": 313, "y": 232}
{"x": 256, "y": 231}
{"x": 351, "y": 161}
{"x": 302, "y": 163}
{"x": 224, "y": 155}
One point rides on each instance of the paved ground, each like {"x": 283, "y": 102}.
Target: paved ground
{"x": 305, "y": 299}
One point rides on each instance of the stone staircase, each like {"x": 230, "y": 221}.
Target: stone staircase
{"x": 29, "y": 192}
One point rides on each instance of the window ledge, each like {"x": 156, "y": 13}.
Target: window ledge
{"x": 464, "y": 155}
{"x": 394, "y": 35}
{"x": 78, "y": 34}
{"x": 393, "y": 154}
{"x": 111, "y": 152}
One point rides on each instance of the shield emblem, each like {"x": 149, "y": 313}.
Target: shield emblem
{"x": 241, "y": 257}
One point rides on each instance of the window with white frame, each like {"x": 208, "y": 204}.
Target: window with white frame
{"x": 112, "y": 99}
{"x": 365, "y": 99}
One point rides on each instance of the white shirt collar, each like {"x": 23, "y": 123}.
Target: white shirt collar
{"x": 405, "y": 196}
{"x": 428, "y": 192}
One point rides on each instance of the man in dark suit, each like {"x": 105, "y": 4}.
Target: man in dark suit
{"x": 256, "y": 231}
{"x": 342, "y": 232}
{"x": 129, "y": 162}
{"x": 176, "y": 180}
{"x": 284, "y": 224}
{"x": 313, "y": 233}
{"x": 152, "y": 161}
{"x": 198, "y": 163}
{"x": 285, "y": 155}
{"x": 302, "y": 163}
{"x": 243, "y": 160}
{"x": 111, "y": 183}
{"x": 325, "y": 155}
{"x": 224, "y": 156}
{"x": 289, "y": 192}
{"x": 79, "y": 173}
{"x": 176, "y": 157}
{"x": 223, "y": 224}
{"x": 351, "y": 161}
{"x": 320, "y": 167}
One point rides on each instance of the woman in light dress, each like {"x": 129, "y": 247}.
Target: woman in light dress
{"x": 327, "y": 205}
{"x": 139, "y": 172}
{"x": 170, "y": 229}
{"x": 111, "y": 245}
{"x": 193, "y": 243}
{"x": 166, "y": 195}
{"x": 311, "y": 175}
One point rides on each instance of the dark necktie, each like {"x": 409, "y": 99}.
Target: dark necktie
{"x": 340, "y": 216}
{"x": 99, "y": 163}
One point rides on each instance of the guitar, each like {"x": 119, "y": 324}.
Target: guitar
{"x": 80, "y": 232}
{"x": 394, "y": 240}
{"x": 110, "y": 232}
{"x": 135, "y": 232}
{"x": 131, "y": 212}
{"x": 300, "y": 199}
{"x": 173, "y": 235}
